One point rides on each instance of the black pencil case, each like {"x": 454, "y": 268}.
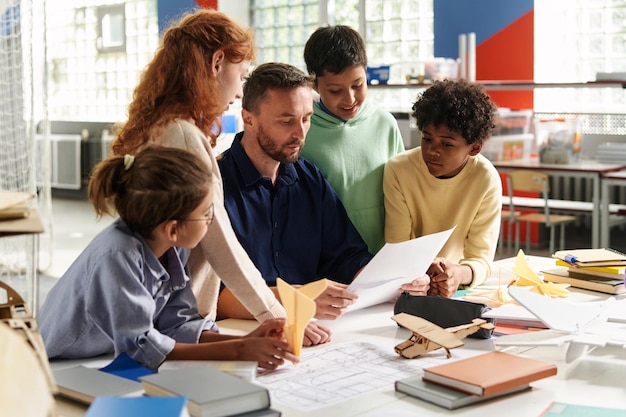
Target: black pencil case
{"x": 444, "y": 312}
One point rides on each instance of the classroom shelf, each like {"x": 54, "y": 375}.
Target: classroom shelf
{"x": 519, "y": 85}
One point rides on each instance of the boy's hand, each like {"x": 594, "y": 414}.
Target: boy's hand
{"x": 446, "y": 277}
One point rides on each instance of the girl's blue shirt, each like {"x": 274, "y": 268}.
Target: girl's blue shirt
{"x": 118, "y": 297}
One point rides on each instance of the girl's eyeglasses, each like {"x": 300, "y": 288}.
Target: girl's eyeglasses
{"x": 208, "y": 218}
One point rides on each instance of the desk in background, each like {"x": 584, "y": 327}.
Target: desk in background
{"x": 29, "y": 227}
{"x": 596, "y": 379}
{"x": 609, "y": 180}
{"x": 587, "y": 169}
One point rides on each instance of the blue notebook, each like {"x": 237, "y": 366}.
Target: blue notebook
{"x": 126, "y": 367}
{"x": 138, "y": 407}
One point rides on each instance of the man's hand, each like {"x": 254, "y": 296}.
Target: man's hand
{"x": 333, "y": 301}
{"x": 315, "y": 334}
{"x": 419, "y": 286}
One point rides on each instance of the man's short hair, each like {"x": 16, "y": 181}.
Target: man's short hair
{"x": 271, "y": 76}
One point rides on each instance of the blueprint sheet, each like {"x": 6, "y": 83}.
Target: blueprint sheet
{"x": 337, "y": 373}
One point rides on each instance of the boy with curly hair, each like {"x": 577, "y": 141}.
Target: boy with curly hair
{"x": 446, "y": 182}
{"x": 350, "y": 139}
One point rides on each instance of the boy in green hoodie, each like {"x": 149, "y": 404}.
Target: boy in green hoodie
{"x": 350, "y": 139}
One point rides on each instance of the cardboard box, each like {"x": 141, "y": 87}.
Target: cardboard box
{"x": 513, "y": 122}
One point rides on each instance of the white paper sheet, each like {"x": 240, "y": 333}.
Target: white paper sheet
{"x": 393, "y": 265}
{"x": 335, "y": 373}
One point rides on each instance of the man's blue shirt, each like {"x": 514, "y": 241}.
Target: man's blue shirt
{"x": 298, "y": 229}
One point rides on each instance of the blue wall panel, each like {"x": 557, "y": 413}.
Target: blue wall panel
{"x": 170, "y": 10}
{"x": 483, "y": 17}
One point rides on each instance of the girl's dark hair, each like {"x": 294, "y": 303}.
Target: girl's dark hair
{"x": 461, "y": 106}
{"x": 160, "y": 184}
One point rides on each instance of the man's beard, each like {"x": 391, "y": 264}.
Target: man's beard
{"x": 280, "y": 154}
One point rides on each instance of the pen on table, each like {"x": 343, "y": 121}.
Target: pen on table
{"x": 570, "y": 259}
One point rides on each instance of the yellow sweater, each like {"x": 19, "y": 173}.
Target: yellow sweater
{"x": 417, "y": 204}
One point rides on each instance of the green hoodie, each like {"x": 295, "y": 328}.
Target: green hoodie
{"x": 351, "y": 155}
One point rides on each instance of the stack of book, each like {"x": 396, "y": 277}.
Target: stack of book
{"x": 600, "y": 270}
{"x": 478, "y": 378}
{"x": 210, "y": 392}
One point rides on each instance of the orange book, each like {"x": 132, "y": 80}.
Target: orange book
{"x": 489, "y": 373}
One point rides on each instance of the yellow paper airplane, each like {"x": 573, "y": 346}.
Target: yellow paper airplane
{"x": 526, "y": 277}
{"x": 300, "y": 306}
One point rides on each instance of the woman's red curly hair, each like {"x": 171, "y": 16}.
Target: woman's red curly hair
{"x": 179, "y": 82}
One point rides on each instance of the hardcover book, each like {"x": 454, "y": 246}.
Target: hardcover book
{"x": 83, "y": 384}
{"x": 489, "y": 373}
{"x": 243, "y": 369}
{"x": 443, "y": 396}
{"x": 585, "y": 281}
{"x": 592, "y": 257}
{"x": 603, "y": 271}
{"x": 210, "y": 392}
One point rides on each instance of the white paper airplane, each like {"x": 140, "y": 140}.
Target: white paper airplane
{"x": 583, "y": 326}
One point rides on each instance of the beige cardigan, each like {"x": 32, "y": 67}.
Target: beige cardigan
{"x": 219, "y": 254}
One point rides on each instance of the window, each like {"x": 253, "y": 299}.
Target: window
{"x": 96, "y": 55}
{"x": 574, "y": 40}
{"x": 282, "y": 27}
{"x": 111, "y": 28}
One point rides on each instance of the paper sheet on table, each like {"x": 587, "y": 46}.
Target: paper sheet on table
{"x": 394, "y": 265}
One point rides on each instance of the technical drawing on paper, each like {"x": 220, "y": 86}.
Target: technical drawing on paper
{"x": 338, "y": 373}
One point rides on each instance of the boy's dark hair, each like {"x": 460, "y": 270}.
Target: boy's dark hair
{"x": 333, "y": 49}
{"x": 461, "y": 106}
{"x": 271, "y": 76}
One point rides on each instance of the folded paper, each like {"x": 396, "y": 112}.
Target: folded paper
{"x": 526, "y": 277}
{"x": 300, "y": 306}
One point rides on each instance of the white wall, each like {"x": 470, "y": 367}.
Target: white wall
{"x": 236, "y": 9}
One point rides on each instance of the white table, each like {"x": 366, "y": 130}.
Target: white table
{"x": 588, "y": 169}
{"x": 597, "y": 378}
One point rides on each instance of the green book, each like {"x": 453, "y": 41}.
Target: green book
{"x": 558, "y": 409}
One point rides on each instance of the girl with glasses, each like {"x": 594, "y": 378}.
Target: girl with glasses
{"x": 129, "y": 290}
